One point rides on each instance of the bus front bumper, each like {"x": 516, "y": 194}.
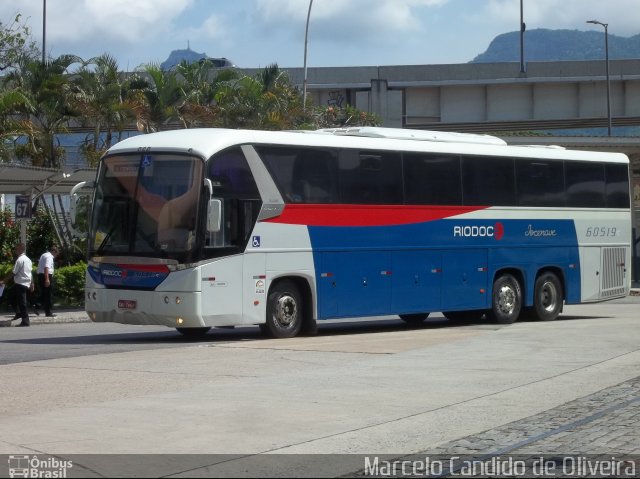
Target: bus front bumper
{"x": 172, "y": 309}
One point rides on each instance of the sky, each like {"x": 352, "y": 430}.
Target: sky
{"x": 257, "y": 33}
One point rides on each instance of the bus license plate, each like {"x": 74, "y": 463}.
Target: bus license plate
{"x": 127, "y": 304}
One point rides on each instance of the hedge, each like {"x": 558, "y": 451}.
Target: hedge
{"x": 68, "y": 287}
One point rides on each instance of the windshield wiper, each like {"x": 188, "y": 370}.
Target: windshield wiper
{"x": 103, "y": 243}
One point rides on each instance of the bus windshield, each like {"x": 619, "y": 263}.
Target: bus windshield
{"x": 146, "y": 205}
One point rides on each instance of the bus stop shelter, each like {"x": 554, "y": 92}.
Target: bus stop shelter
{"x": 29, "y": 183}
{"x": 33, "y": 181}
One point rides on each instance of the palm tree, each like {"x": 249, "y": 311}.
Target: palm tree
{"x": 266, "y": 101}
{"x": 45, "y": 87}
{"x": 12, "y": 103}
{"x": 198, "y": 94}
{"x": 155, "y": 96}
{"x": 97, "y": 94}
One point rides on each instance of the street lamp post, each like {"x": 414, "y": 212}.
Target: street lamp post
{"x": 606, "y": 52}
{"x": 44, "y": 30}
{"x": 306, "y": 37}
{"x": 522, "y": 29}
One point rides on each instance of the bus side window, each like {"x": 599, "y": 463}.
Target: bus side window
{"x": 432, "y": 179}
{"x": 314, "y": 177}
{"x": 585, "y": 184}
{"x": 540, "y": 183}
{"x": 617, "y": 186}
{"x": 370, "y": 178}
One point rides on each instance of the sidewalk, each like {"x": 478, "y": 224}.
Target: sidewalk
{"x": 61, "y": 316}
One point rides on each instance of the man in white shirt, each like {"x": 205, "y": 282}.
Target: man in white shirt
{"x": 45, "y": 279}
{"x": 22, "y": 278}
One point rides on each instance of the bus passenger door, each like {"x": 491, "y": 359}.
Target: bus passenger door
{"x": 464, "y": 280}
{"x": 222, "y": 284}
{"x": 417, "y": 281}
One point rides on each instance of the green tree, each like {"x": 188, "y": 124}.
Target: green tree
{"x": 336, "y": 117}
{"x": 12, "y": 104}
{"x": 15, "y": 43}
{"x": 40, "y": 233}
{"x": 197, "y": 92}
{"x": 97, "y": 95}
{"x": 155, "y": 95}
{"x": 9, "y": 235}
{"x": 266, "y": 101}
{"x": 45, "y": 86}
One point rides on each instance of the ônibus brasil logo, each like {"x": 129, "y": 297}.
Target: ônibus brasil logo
{"x": 496, "y": 231}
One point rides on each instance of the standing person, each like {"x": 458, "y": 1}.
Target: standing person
{"x": 45, "y": 279}
{"x": 23, "y": 282}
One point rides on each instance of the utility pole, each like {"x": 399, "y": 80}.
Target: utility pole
{"x": 44, "y": 30}
{"x": 523, "y": 27}
{"x": 306, "y": 37}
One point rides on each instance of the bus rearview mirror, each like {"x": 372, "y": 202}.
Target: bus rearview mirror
{"x": 214, "y": 213}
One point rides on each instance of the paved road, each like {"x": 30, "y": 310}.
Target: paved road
{"x": 565, "y": 387}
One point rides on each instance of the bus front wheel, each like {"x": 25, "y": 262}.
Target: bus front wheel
{"x": 506, "y": 299}
{"x": 284, "y": 310}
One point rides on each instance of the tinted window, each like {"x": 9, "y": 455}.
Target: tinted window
{"x": 585, "y": 184}
{"x": 231, "y": 176}
{"x": 540, "y": 183}
{"x": 488, "y": 181}
{"x": 432, "y": 179}
{"x": 617, "y": 185}
{"x": 235, "y": 186}
{"x": 370, "y": 178}
{"x": 303, "y": 175}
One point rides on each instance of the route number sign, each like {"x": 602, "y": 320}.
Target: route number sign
{"x": 23, "y": 207}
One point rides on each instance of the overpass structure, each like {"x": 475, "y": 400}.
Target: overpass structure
{"x": 496, "y": 98}
{"x": 484, "y": 96}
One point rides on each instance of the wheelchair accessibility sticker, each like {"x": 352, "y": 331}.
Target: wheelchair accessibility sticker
{"x": 256, "y": 242}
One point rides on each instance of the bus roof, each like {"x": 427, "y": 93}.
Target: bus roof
{"x": 205, "y": 142}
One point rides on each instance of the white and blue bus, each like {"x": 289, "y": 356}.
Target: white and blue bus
{"x": 204, "y": 228}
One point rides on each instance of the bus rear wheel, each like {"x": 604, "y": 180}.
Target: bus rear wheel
{"x": 284, "y": 310}
{"x": 506, "y": 299}
{"x": 548, "y": 297}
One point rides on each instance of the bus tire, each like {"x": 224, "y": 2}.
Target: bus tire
{"x": 506, "y": 299}
{"x": 193, "y": 332}
{"x": 416, "y": 318}
{"x": 548, "y": 297}
{"x": 471, "y": 315}
{"x": 284, "y": 310}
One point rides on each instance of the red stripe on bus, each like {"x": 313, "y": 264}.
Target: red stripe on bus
{"x": 369, "y": 215}
{"x": 150, "y": 268}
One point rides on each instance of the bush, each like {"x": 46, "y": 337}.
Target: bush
{"x": 69, "y": 284}
{"x": 68, "y": 287}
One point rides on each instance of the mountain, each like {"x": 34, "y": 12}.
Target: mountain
{"x": 555, "y": 45}
{"x": 176, "y": 56}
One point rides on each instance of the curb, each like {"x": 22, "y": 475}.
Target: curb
{"x": 64, "y": 316}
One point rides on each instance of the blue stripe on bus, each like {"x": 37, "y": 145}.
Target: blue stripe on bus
{"x": 435, "y": 266}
